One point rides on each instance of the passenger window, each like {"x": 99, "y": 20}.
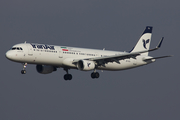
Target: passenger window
{"x": 17, "y": 48}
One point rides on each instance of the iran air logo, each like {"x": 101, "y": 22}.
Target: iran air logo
{"x": 145, "y": 42}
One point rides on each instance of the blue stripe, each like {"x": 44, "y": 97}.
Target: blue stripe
{"x": 148, "y": 30}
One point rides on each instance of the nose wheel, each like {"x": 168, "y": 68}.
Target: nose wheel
{"x": 24, "y": 68}
{"x": 23, "y": 71}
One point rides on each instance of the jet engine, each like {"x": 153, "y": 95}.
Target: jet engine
{"x": 45, "y": 69}
{"x": 85, "y": 65}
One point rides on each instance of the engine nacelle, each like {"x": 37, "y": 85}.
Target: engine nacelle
{"x": 45, "y": 69}
{"x": 85, "y": 65}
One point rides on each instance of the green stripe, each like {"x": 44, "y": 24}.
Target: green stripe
{"x": 63, "y": 47}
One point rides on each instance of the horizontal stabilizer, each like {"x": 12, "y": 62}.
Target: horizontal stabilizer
{"x": 157, "y": 57}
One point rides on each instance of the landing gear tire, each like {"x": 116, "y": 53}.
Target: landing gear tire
{"x": 95, "y": 75}
{"x": 92, "y": 75}
{"x": 23, "y": 71}
{"x": 67, "y": 77}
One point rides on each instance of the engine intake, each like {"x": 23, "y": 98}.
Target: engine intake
{"x": 85, "y": 65}
{"x": 45, "y": 69}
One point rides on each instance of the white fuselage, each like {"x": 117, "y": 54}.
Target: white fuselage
{"x": 62, "y": 56}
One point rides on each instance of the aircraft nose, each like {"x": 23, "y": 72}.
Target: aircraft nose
{"x": 8, "y": 55}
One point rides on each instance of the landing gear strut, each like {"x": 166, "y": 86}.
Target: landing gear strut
{"x": 95, "y": 74}
{"x": 67, "y": 76}
{"x": 24, "y": 68}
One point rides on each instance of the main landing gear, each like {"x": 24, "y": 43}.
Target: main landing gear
{"x": 67, "y": 76}
{"x": 94, "y": 74}
{"x": 23, "y": 71}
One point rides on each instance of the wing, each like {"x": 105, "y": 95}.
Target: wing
{"x": 115, "y": 58}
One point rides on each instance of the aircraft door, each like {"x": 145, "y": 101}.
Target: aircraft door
{"x": 60, "y": 52}
{"x": 30, "y": 50}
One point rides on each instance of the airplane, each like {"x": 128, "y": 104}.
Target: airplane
{"x": 48, "y": 58}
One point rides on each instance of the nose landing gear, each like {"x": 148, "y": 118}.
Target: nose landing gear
{"x": 24, "y": 68}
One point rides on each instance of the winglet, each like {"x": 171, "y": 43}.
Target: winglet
{"x": 159, "y": 45}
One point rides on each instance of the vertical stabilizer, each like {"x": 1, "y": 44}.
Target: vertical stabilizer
{"x": 144, "y": 41}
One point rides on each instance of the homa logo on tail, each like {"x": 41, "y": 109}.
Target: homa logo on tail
{"x": 145, "y": 42}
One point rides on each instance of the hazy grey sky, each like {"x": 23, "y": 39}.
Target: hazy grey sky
{"x": 145, "y": 93}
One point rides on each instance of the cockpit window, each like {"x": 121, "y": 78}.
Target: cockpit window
{"x": 13, "y": 48}
{"x": 16, "y": 48}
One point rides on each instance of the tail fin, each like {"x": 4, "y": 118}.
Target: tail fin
{"x": 144, "y": 41}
